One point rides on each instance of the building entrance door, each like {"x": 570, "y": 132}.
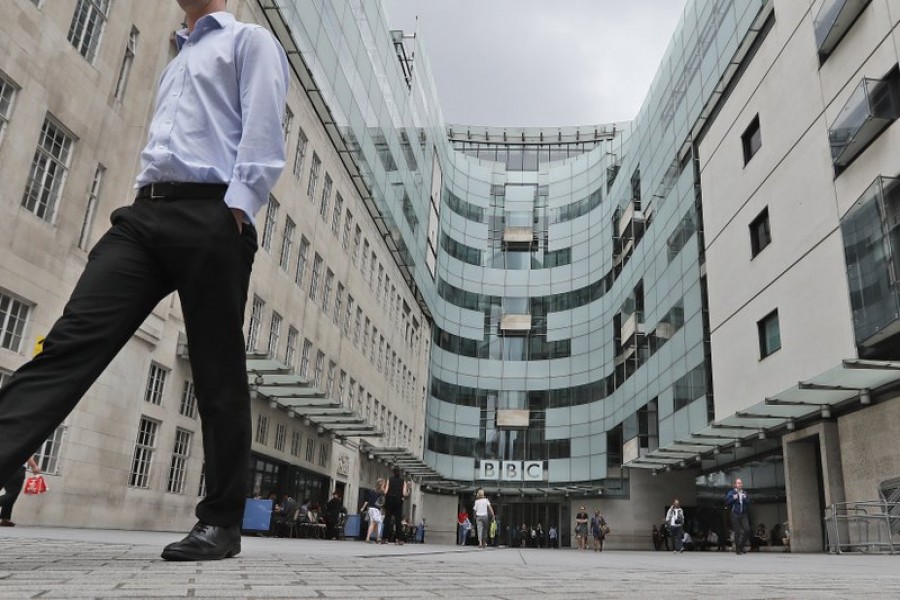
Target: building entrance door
{"x": 513, "y": 516}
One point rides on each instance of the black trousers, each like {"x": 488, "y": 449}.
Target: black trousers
{"x": 393, "y": 518}
{"x": 11, "y": 490}
{"x": 154, "y": 247}
{"x": 740, "y": 524}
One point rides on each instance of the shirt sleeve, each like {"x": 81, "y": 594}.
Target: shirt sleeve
{"x": 263, "y": 73}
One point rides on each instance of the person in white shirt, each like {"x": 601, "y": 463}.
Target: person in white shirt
{"x": 675, "y": 523}
{"x": 483, "y": 515}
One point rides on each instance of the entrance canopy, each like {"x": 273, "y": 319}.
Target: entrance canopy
{"x": 838, "y": 390}
{"x": 410, "y": 464}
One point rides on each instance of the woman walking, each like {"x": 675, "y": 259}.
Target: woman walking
{"x": 373, "y": 504}
{"x": 598, "y": 525}
{"x": 483, "y": 515}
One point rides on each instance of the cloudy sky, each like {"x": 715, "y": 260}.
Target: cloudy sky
{"x": 540, "y": 62}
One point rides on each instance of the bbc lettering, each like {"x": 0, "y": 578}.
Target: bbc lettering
{"x": 511, "y": 470}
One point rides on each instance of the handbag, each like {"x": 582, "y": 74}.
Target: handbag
{"x": 35, "y": 485}
{"x": 605, "y": 529}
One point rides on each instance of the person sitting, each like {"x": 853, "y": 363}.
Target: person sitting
{"x": 786, "y": 537}
{"x": 760, "y": 539}
{"x": 712, "y": 540}
{"x": 656, "y": 537}
{"x": 687, "y": 541}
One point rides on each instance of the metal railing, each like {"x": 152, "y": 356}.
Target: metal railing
{"x": 863, "y": 527}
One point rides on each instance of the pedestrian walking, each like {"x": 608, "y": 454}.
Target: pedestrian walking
{"x": 11, "y": 490}
{"x": 581, "y": 528}
{"x": 215, "y": 149}
{"x": 373, "y": 505}
{"x": 675, "y": 524}
{"x": 737, "y": 500}
{"x": 397, "y": 489}
{"x": 484, "y": 512}
{"x": 598, "y": 527}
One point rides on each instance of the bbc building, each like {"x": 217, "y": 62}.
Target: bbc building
{"x": 608, "y": 315}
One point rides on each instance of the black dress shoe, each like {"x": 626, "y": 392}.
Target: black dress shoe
{"x": 206, "y": 542}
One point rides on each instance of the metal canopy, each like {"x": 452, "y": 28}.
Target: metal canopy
{"x": 276, "y": 382}
{"x": 414, "y": 466}
{"x": 838, "y": 389}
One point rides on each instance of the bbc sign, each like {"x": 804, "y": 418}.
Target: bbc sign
{"x": 511, "y": 470}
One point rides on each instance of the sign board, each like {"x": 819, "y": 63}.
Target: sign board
{"x": 630, "y": 450}
{"x": 512, "y": 418}
{"x": 511, "y": 470}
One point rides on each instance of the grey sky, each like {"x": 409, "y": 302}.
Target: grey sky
{"x": 540, "y": 62}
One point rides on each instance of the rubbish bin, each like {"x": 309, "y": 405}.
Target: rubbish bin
{"x": 351, "y": 526}
{"x": 257, "y": 515}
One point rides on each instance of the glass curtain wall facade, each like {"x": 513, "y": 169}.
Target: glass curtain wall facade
{"x": 562, "y": 267}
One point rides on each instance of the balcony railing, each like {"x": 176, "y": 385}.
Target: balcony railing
{"x": 834, "y": 21}
{"x": 871, "y": 108}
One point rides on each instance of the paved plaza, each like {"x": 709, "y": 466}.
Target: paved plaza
{"x": 85, "y": 563}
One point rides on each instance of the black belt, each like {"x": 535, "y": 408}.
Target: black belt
{"x": 187, "y": 191}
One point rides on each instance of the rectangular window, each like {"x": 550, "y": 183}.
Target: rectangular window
{"x": 13, "y": 316}
{"x": 342, "y": 386}
{"x": 287, "y": 243}
{"x": 326, "y": 290}
{"x": 751, "y": 140}
{"x": 181, "y": 451}
{"x": 363, "y": 266}
{"x": 47, "y": 456}
{"x": 357, "y": 234}
{"x": 304, "y": 358}
{"x": 87, "y": 26}
{"x": 769, "y": 334}
{"x": 271, "y": 221}
{"x": 144, "y": 447}
{"x": 302, "y": 259}
{"x": 316, "y": 275}
{"x": 336, "y": 213}
{"x": 48, "y": 171}
{"x": 348, "y": 315}
{"x": 357, "y": 328}
{"x": 296, "y": 440}
{"x": 329, "y": 379}
{"x": 760, "y": 234}
{"x": 302, "y": 142}
{"x": 262, "y": 429}
{"x": 287, "y": 121}
{"x": 84, "y": 239}
{"x": 156, "y": 381}
{"x": 323, "y": 454}
{"x": 125, "y": 67}
{"x": 326, "y": 197}
{"x": 313, "y": 177}
{"x": 256, "y": 312}
{"x": 274, "y": 334}
{"x": 201, "y": 490}
{"x": 280, "y": 436}
{"x": 320, "y": 368}
{"x": 338, "y": 304}
{"x": 310, "y": 449}
{"x": 378, "y": 283}
{"x": 348, "y": 229}
{"x": 188, "y": 400}
{"x": 365, "y": 344}
{"x": 291, "y": 349}
{"x": 7, "y": 99}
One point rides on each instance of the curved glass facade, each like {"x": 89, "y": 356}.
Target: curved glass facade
{"x": 562, "y": 267}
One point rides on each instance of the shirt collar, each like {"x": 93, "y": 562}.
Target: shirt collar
{"x": 216, "y": 20}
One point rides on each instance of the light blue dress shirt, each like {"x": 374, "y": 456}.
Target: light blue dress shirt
{"x": 219, "y": 112}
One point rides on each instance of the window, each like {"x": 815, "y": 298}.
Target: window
{"x": 320, "y": 368}
{"x": 313, "y": 177}
{"x": 125, "y": 68}
{"x": 296, "y": 440}
{"x": 156, "y": 380}
{"x": 310, "y": 449}
{"x": 7, "y": 97}
{"x": 338, "y": 304}
{"x": 291, "y": 348}
{"x": 144, "y": 447}
{"x": 255, "y": 322}
{"x": 302, "y": 142}
{"x": 84, "y": 239}
{"x": 372, "y": 264}
{"x": 760, "y": 234}
{"x": 201, "y": 490}
{"x": 326, "y": 197}
{"x": 751, "y": 140}
{"x": 287, "y": 121}
{"x": 769, "y": 334}
{"x": 287, "y": 243}
{"x": 357, "y": 233}
{"x": 188, "y": 400}
{"x": 48, "y": 171}
{"x": 329, "y": 379}
{"x": 326, "y": 291}
{"x": 177, "y": 469}
{"x": 357, "y": 328}
{"x": 304, "y": 358}
{"x": 269, "y": 226}
{"x": 13, "y": 316}
{"x": 47, "y": 456}
{"x": 365, "y": 260}
{"x": 323, "y": 454}
{"x": 302, "y": 259}
{"x": 87, "y": 27}
{"x": 336, "y": 213}
{"x": 348, "y": 228}
{"x": 274, "y": 334}
{"x": 280, "y": 436}
{"x": 262, "y": 429}
{"x": 348, "y": 315}
{"x": 342, "y": 386}
{"x": 316, "y": 275}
